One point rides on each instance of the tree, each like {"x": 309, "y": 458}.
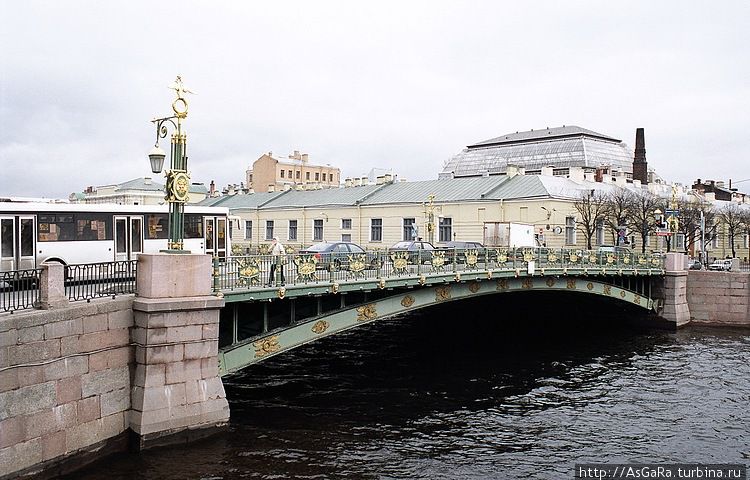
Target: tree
{"x": 641, "y": 215}
{"x": 734, "y": 218}
{"x": 690, "y": 221}
{"x": 618, "y": 206}
{"x": 592, "y": 207}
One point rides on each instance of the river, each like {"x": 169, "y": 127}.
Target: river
{"x": 487, "y": 389}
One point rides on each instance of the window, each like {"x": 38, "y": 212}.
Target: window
{"x": 193, "y": 225}
{"x": 290, "y": 174}
{"x": 79, "y": 226}
{"x": 570, "y": 230}
{"x": 317, "y": 176}
{"x": 318, "y": 230}
{"x": 346, "y": 237}
{"x": 297, "y": 174}
{"x": 410, "y": 229}
{"x": 715, "y": 241}
{"x": 745, "y": 241}
{"x": 282, "y": 174}
{"x": 157, "y": 226}
{"x": 679, "y": 243}
{"x": 445, "y": 229}
{"x": 248, "y": 229}
{"x": 346, "y": 224}
{"x": 269, "y": 229}
{"x": 324, "y": 177}
{"x": 307, "y": 175}
{"x": 292, "y": 229}
{"x": 600, "y": 232}
{"x": 376, "y": 229}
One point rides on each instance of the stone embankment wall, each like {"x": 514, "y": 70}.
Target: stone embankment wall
{"x": 64, "y": 382}
{"x": 719, "y": 298}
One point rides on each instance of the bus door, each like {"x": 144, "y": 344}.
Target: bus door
{"x": 17, "y": 242}
{"x": 128, "y": 237}
{"x": 215, "y": 231}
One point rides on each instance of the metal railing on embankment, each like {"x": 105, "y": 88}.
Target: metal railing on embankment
{"x": 20, "y": 289}
{"x": 250, "y": 272}
{"x": 94, "y": 280}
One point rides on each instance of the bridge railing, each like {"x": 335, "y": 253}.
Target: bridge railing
{"x": 258, "y": 271}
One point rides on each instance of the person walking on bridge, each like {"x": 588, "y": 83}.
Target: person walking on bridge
{"x": 278, "y": 252}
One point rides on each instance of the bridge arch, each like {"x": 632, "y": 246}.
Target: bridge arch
{"x": 243, "y": 354}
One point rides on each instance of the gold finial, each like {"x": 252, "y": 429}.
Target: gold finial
{"x": 180, "y": 105}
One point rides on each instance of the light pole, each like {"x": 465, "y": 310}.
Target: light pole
{"x": 178, "y": 179}
{"x": 429, "y": 209}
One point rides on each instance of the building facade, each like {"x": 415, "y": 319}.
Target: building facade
{"x": 270, "y": 173}
{"x": 139, "y": 191}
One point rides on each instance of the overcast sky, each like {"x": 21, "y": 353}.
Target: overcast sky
{"x": 394, "y": 85}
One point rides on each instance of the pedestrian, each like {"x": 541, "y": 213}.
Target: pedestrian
{"x": 277, "y": 251}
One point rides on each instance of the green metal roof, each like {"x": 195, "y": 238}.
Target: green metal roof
{"x": 329, "y": 196}
{"x": 240, "y": 201}
{"x": 448, "y": 190}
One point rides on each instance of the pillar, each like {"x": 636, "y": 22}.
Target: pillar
{"x": 52, "y": 286}
{"x": 675, "y": 309}
{"x": 177, "y": 393}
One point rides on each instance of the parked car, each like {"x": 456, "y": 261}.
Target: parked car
{"x": 417, "y": 250}
{"x": 721, "y": 265}
{"x": 460, "y": 248}
{"x": 695, "y": 265}
{"x": 336, "y": 255}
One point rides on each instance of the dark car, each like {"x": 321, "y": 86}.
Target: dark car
{"x": 460, "y": 249}
{"x": 417, "y": 250}
{"x": 336, "y": 255}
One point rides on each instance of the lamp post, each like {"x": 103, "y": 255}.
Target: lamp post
{"x": 429, "y": 209}
{"x": 178, "y": 179}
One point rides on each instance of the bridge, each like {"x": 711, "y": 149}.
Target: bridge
{"x": 148, "y": 367}
{"x": 325, "y": 294}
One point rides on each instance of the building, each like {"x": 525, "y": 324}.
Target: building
{"x": 270, "y": 173}
{"x": 139, "y": 191}
{"x": 557, "y": 148}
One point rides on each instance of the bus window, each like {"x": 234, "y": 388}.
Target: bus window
{"x": 221, "y": 240}
{"x": 55, "y": 228}
{"x": 157, "y": 226}
{"x": 193, "y": 225}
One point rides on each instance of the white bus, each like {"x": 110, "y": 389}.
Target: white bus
{"x": 31, "y": 233}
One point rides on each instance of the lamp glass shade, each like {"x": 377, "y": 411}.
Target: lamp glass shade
{"x": 156, "y": 157}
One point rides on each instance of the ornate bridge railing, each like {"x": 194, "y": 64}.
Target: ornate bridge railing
{"x": 258, "y": 272}
{"x": 19, "y": 289}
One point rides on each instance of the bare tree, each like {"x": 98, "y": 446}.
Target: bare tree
{"x": 618, "y": 206}
{"x": 641, "y": 215}
{"x": 592, "y": 207}
{"x": 733, "y": 217}
{"x": 690, "y": 221}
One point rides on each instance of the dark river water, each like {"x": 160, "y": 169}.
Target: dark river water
{"x": 523, "y": 388}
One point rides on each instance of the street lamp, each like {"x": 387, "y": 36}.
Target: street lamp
{"x": 429, "y": 209}
{"x": 178, "y": 179}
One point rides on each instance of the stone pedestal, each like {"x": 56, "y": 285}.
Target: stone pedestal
{"x": 177, "y": 393}
{"x": 675, "y": 310}
{"x": 52, "y": 286}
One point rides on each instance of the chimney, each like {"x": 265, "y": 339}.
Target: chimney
{"x": 380, "y": 180}
{"x": 388, "y": 178}
{"x": 211, "y": 188}
{"x": 357, "y": 181}
{"x": 347, "y": 182}
{"x": 365, "y": 180}
{"x": 303, "y": 157}
{"x": 548, "y": 171}
{"x": 271, "y": 188}
{"x": 511, "y": 171}
{"x": 287, "y": 187}
{"x": 640, "y": 166}
{"x": 576, "y": 174}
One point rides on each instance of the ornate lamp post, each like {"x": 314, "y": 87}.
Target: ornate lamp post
{"x": 429, "y": 210}
{"x": 178, "y": 179}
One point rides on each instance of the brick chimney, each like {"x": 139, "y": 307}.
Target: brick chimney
{"x": 640, "y": 166}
